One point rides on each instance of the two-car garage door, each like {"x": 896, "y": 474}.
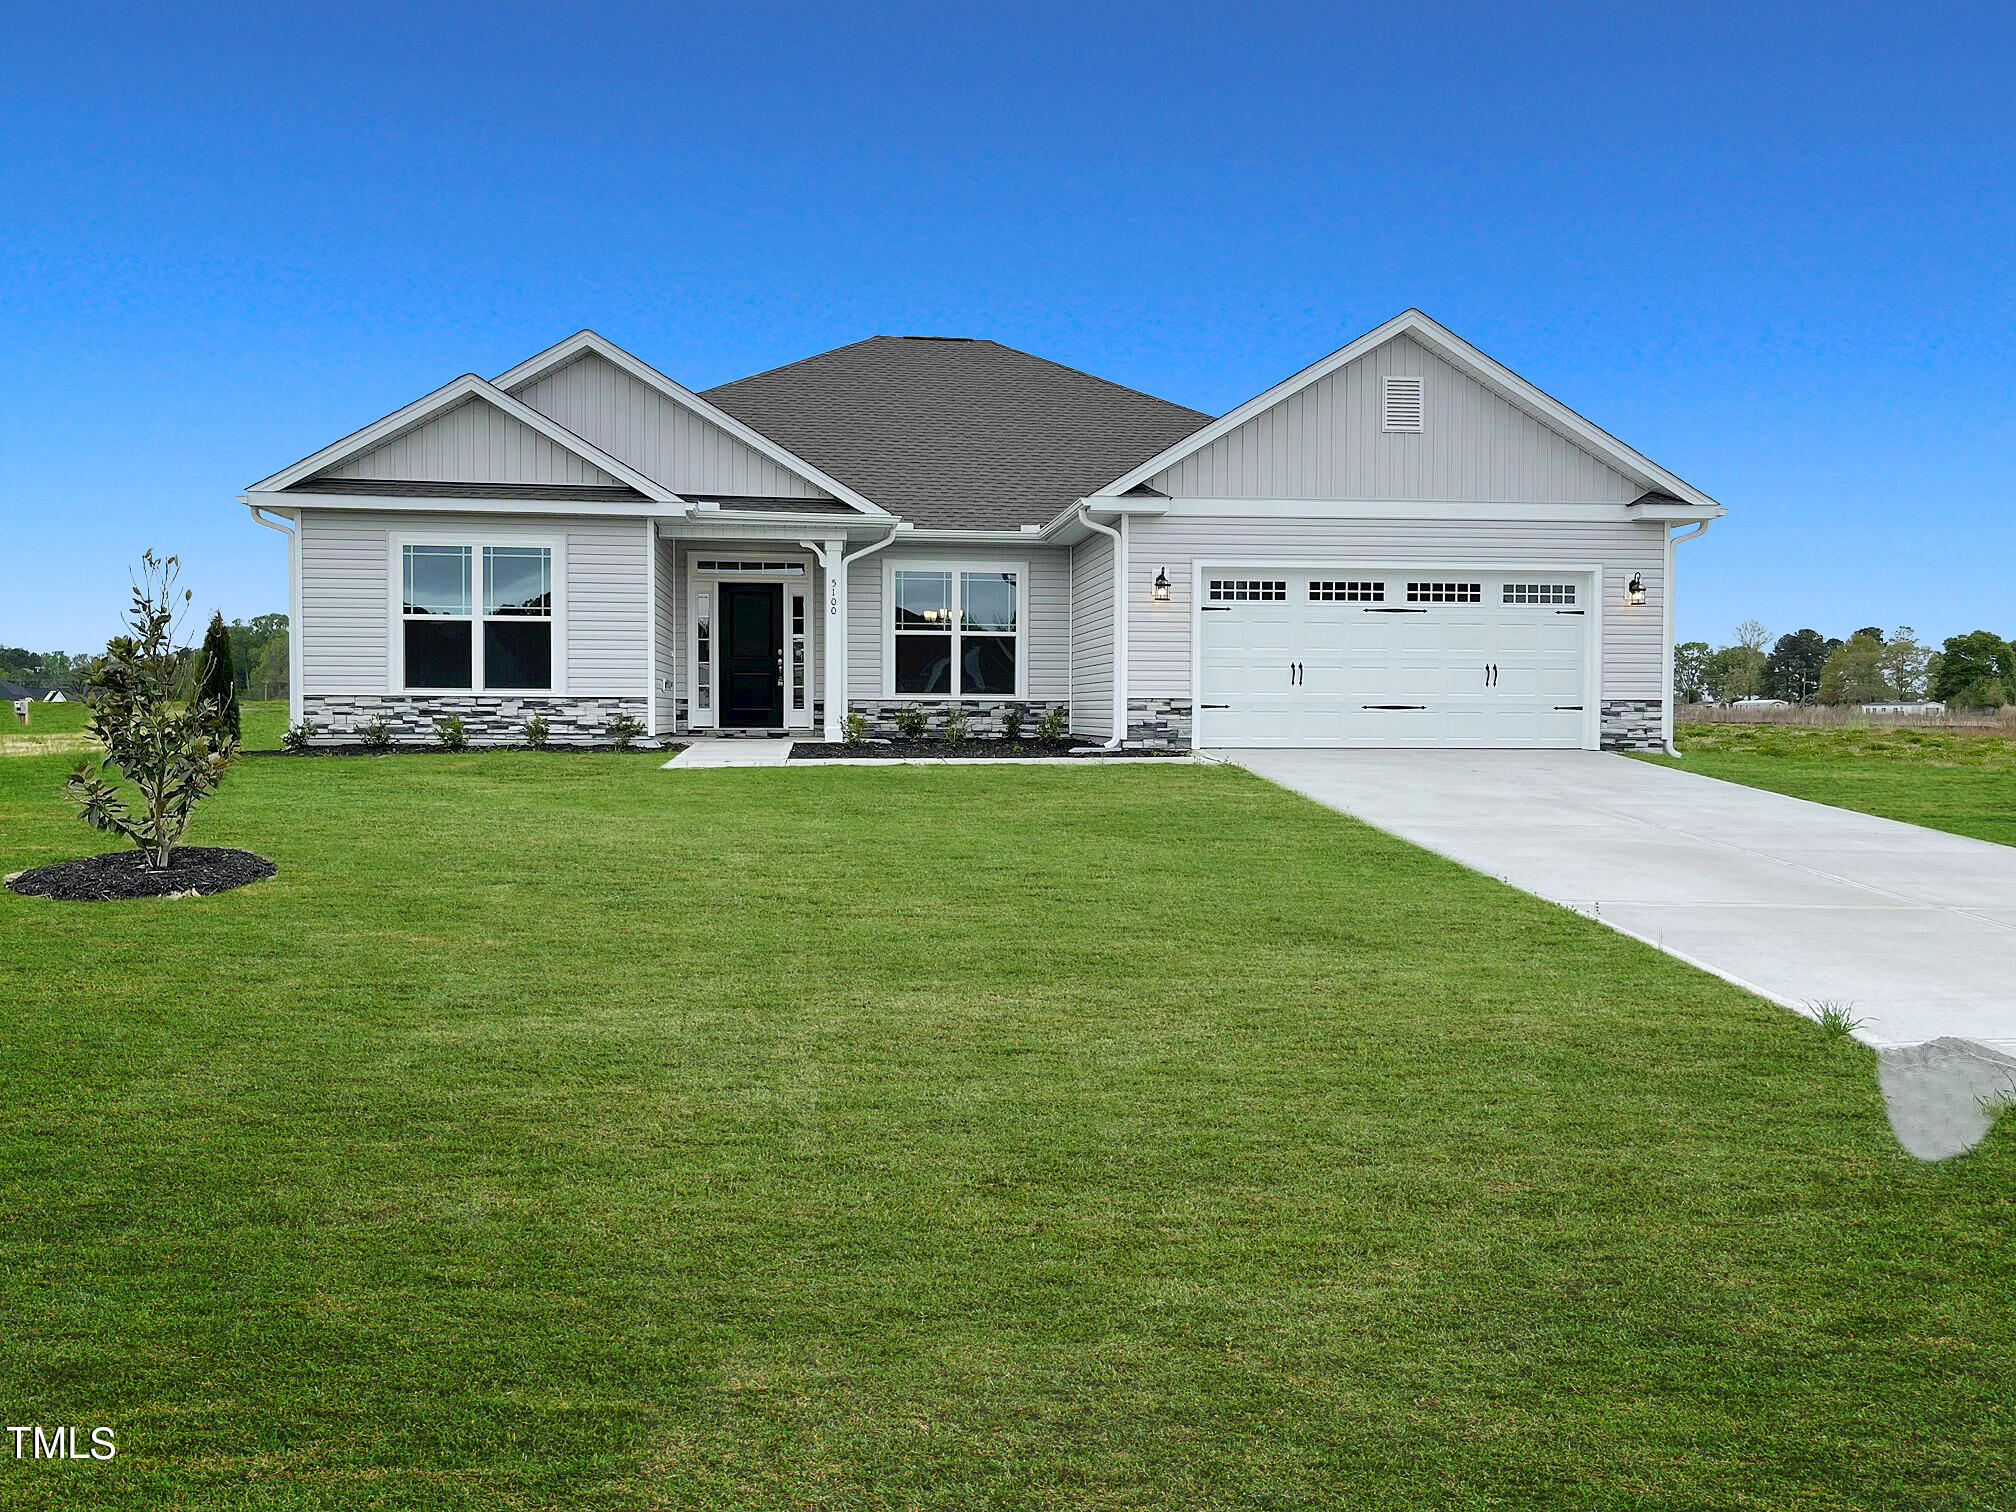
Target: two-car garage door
{"x": 1428, "y": 656}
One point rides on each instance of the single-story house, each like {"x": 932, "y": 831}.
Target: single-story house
{"x": 1403, "y": 544}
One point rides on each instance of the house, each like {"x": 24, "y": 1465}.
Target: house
{"x": 1404, "y": 544}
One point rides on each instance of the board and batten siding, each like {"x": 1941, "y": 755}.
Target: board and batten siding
{"x": 1159, "y": 661}
{"x": 657, "y": 435}
{"x": 346, "y": 589}
{"x": 669, "y": 632}
{"x": 1048, "y": 630}
{"x": 1092, "y": 637}
{"x": 1325, "y": 442}
{"x": 475, "y": 442}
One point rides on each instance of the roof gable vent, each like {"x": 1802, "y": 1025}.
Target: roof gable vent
{"x": 1401, "y": 402}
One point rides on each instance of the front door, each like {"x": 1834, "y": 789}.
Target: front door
{"x": 752, "y": 654}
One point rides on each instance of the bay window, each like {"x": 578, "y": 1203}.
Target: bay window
{"x": 473, "y": 624}
{"x": 955, "y": 632}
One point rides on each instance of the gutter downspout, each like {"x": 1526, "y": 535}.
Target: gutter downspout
{"x": 1119, "y": 538}
{"x": 293, "y": 534}
{"x": 1672, "y": 541}
{"x": 836, "y": 584}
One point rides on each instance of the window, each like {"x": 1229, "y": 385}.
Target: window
{"x": 764, "y": 569}
{"x": 1539, "y": 593}
{"x": 1445, "y": 593}
{"x": 1254, "y": 590}
{"x": 442, "y": 644}
{"x": 703, "y": 654}
{"x": 1402, "y": 404}
{"x": 955, "y": 631}
{"x": 1346, "y": 593}
{"x": 798, "y": 648}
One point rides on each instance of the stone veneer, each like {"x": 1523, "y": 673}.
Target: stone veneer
{"x": 1633, "y": 724}
{"x": 1158, "y": 722}
{"x": 488, "y": 718}
{"x": 983, "y": 715}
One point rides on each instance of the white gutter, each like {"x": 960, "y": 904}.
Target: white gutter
{"x": 1119, "y": 537}
{"x": 294, "y": 696}
{"x": 1671, "y": 542}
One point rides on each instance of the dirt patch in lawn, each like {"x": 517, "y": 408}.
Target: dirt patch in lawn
{"x": 197, "y": 870}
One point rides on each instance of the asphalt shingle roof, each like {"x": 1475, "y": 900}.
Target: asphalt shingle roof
{"x": 952, "y": 433}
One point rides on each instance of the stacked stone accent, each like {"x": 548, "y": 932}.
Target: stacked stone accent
{"x": 488, "y": 719}
{"x": 1633, "y": 724}
{"x": 1158, "y": 722}
{"x": 983, "y": 715}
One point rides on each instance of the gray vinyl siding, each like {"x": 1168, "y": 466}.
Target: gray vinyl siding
{"x": 657, "y": 435}
{"x": 475, "y": 442}
{"x": 1092, "y": 637}
{"x": 346, "y": 596}
{"x": 1159, "y": 634}
{"x": 1048, "y": 631}
{"x": 1324, "y": 442}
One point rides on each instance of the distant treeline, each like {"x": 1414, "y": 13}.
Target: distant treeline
{"x": 1974, "y": 671}
{"x": 258, "y": 657}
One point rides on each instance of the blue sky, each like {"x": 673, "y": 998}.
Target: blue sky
{"x": 1773, "y": 249}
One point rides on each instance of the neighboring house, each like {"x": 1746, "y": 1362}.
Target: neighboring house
{"x": 1403, "y": 544}
{"x": 16, "y": 693}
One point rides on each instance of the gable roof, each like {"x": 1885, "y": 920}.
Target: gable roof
{"x": 1460, "y": 354}
{"x": 449, "y": 396}
{"x": 583, "y": 343}
{"x": 953, "y": 433}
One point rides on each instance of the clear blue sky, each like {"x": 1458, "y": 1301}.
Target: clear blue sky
{"x": 1774, "y": 250}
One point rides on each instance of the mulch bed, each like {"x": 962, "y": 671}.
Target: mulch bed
{"x": 901, "y": 750}
{"x": 472, "y": 749}
{"x": 199, "y": 869}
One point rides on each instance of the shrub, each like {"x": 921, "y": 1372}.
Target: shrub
{"x": 1976, "y": 671}
{"x": 536, "y": 732}
{"x": 450, "y": 732}
{"x": 299, "y": 736}
{"x": 958, "y": 724}
{"x": 1054, "y": 725}
{"x": 1011, "y": 722}
{"x": 854, "y": 728}
{"x": 218, "y": 682}
{"x": 172, "y": 752}
{"x": 376, "y": 735}
{"x": 623, "y": 729}
{"x": 911, "y": 721}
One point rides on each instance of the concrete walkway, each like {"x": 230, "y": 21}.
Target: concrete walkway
{"x": 1913, "y": 929}
{"x": 733, "y": 753}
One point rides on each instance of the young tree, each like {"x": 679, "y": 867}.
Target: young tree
{"x": 1855, "y": 672}
{"x": 1907, "y": 665}
{"x": 1792, "y": 671}
{"x": 172, "y": 752}
{"x": 1976, "y": 671}
{"x": 217, "y": 681}
{"x": 1690, "y": 671}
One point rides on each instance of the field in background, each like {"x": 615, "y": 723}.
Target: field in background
{"x": 1848, "y": 716}
{"x": 1961, "y": 779}
{"x": 58, "y": 728}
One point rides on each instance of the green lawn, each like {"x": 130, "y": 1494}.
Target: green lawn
{"x": 58, "y": 728}
{"x": 1946, "y": 780}
{"x": 556, "y": 1131}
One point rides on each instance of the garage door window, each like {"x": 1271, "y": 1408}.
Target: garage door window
{"x": 1249, "y": 590}
{"x": 1346, "y": 592}
{"x": 1539, "y": 593}
{"x": 1445, "y": 593}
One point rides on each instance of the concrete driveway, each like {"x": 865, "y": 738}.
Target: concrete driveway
{"x": 1913, "y": 928}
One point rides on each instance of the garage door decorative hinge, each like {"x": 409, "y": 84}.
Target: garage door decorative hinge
{"x": 1392, "y": 706}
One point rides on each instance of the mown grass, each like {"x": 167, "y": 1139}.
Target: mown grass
{"x": 1944, "y": 779}
{"x": 556, "y": 1131}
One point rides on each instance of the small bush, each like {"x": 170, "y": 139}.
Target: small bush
{"x": 536, "y": 732}
{"x": 1054, "y": 725}
{"x": 958, "y": 724}
{"x": 1011, "y": 722}
{"x": 911, "y": 721}
{"x": 376, "y": 735}
{"x": 299, "y": 736}
{"x": 854, "y": 728}
{"x": 623, "y": 729}
{"x": 450, "y": 731}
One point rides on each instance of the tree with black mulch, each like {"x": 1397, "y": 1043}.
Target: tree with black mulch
{"x": 218, "y": 686}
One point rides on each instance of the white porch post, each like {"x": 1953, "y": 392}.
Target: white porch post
{"x": 836, "y": 637}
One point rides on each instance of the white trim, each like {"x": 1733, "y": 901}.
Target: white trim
{"x": 445, "y": 398}
{"x": 1592, "y": 698}
{"x": 1455, "y": 350}
{"x": 396, "y": 541}
{"x": 650, "y": 632}
{"x": 956, "y": 565}
{"x": 711, "y": 583}
{"x": 582, "y": 342}
{"x": 1422, "y": 509}
{"x": 430, "y": 504}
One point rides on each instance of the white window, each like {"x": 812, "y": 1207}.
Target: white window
{"x": 1539, "y": 593}
{"x": 1402, "y": 404}
{"x": 955, "y": 631}
{"x": 1347, "y": 592}
{"x": 1249, "y": 590}
{"x": 476, "y": 618}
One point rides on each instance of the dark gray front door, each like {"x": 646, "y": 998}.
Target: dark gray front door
{"x": 752, "y": 654}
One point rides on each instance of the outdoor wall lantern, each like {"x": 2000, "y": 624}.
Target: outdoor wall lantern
{"x": 1161, "y": 589}
{"x": 1634, "y": 591}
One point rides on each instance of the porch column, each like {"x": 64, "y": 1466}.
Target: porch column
{"x": 836, "y": 637}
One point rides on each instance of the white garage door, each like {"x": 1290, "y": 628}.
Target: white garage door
{"x": 1428, "y": 656}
